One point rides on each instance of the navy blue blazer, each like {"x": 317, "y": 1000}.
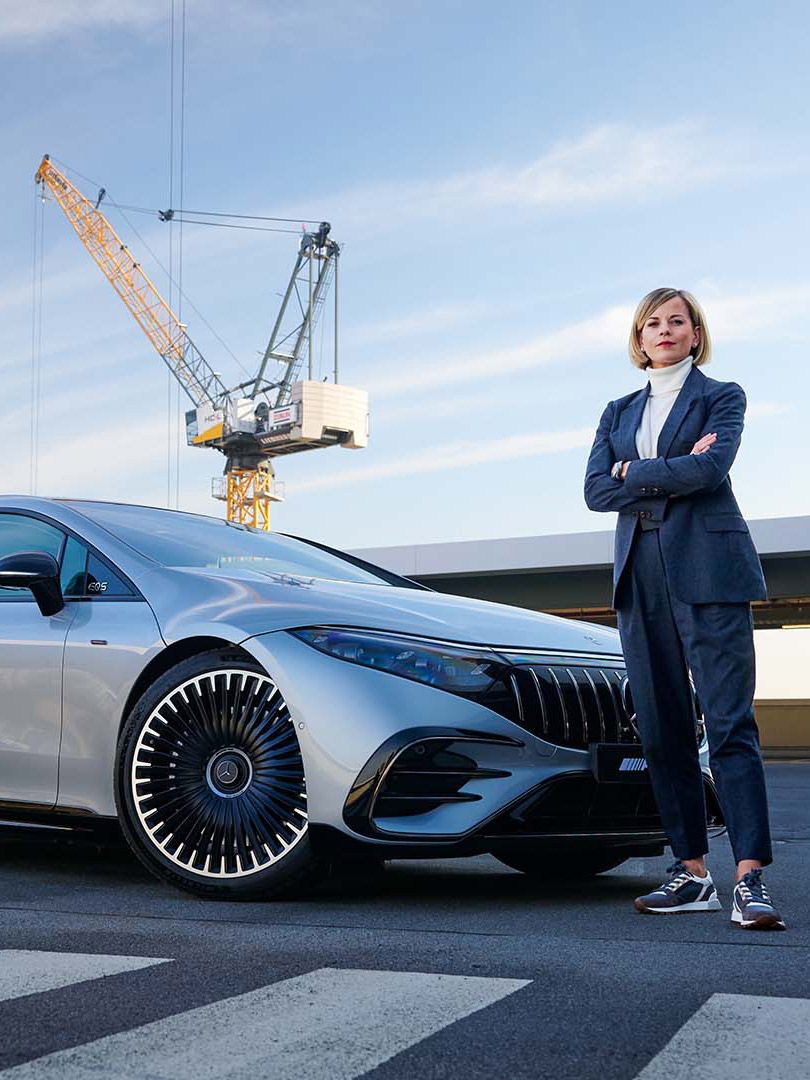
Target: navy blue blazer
{"x": 709, "y": 556}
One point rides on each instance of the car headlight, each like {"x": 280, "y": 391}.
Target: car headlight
{"x": 472, "y": 672}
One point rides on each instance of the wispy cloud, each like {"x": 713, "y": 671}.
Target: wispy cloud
{"x": 64, "y": 281}
{"x": 595, "y": 334}
{"x": 758, "y": 410}
{"x": 768, "y": 314}
{"x": 316, "y": 20}
{"x": 609, "y": 163}
{"x": 612, "y": 163}
{"x": 780, "y": 310}
{"x": 97, "y": 463}
{"x": 414, "y": 324}
{"x": 454, "y": 455}
{"x": 432, "y": 407}
{"x": 463, "y": 454}
{"x": 52, "y": 18}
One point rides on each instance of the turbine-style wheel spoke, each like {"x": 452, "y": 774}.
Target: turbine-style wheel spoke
{"x": 217, "y": 777}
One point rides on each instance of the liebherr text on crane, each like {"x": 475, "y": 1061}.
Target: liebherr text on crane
{"x": 259, "y": 419}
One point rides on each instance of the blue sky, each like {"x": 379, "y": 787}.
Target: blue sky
{"x": 507, "y": 180}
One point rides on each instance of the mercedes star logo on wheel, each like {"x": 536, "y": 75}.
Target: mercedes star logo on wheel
{"x": 226, "y": 772}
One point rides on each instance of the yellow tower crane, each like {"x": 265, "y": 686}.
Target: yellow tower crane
{"x": 257, "y": 420}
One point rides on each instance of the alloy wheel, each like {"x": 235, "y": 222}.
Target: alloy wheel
{"x": 217, "y": 778}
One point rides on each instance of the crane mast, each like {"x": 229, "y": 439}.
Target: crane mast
{"x": 275, "y": 417}
{"x": 314, "y": 269}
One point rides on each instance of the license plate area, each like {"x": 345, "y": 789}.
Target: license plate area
{"x": 619, "y": 763}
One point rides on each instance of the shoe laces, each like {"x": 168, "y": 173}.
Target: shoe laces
{"x": 678, "y": 874}
{"x": 752, "y": 887}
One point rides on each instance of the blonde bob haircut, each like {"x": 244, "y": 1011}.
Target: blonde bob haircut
{"x": 702, "y": 354}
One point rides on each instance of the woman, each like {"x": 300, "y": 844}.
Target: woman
{"x": 685, "y": 571}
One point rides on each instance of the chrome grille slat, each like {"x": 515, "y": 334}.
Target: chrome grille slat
{"x": 542, "y": 700}
{"x": 518, "y": 699}
{"x": 566, "y": 726}
{"x": 600, "y": 714}
{"x": 622, "y": 719}
{"x": 616, "y": 718}
{"x": 583, "y": 714}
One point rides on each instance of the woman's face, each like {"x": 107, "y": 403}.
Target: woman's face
{"x": 668, "y": 335}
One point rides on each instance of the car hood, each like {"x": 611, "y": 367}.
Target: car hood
{"x": 245, "y": 603}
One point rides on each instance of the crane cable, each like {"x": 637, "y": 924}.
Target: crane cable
{"x": 37, "y": 286}
{"x": 177, "y": 134}
{"x": 181, "y": 185}
{"x": 166, "y": 215}
{"x": 169, "y": 378}
{"x": 172, "y": 214}
{"x": 158, "y": 262}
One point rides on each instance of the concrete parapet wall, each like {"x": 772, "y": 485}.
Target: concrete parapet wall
{"x": 784, "y": 726}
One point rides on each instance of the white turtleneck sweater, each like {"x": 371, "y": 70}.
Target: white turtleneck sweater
{"x": 665, "y": 384}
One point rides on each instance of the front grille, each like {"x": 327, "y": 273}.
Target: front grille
{"x": 573, "y": 705}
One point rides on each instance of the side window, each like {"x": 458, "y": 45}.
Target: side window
{"x": 85, "y": 575}
{"x": 103, "y": 581}
{"x": 74, "y": 569}
{"x": 21, "y": 533}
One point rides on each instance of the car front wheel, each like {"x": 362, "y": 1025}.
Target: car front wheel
{"x": 210, "y": 782}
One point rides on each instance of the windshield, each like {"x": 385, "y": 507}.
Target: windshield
{"x": 177, "y": 539}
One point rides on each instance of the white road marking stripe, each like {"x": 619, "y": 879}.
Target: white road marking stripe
{"x": 734, "y": 1035}
{"x": 24, "y": 972}
{"x": 329, "y": 1024}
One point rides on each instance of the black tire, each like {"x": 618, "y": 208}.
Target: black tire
{"x": 210, "y": 785}
{"x": 552, "y": 864}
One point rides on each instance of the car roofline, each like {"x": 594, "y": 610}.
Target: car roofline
{"x": 390, "y": 577}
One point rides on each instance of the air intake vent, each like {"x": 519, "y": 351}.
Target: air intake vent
{"x": 578, "y": 805}
{"x": 427, "y": 775}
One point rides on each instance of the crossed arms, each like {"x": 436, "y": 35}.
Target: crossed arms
{"x": 649, "y": 481}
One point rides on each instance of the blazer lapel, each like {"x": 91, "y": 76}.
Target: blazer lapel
{"x": 677, "y": 414}
{"x": 628, "y": 425}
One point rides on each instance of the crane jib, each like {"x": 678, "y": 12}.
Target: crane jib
{"x": 169, "y": 338}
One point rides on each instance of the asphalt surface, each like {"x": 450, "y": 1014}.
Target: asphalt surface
{"x": 599, "y": 991}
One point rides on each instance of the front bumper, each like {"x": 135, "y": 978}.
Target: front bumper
{"x": 399, "y": 765}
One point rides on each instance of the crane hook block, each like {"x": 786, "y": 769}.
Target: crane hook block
{"x": 165, "y": 215}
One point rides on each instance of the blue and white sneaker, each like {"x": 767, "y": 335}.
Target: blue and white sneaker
{"x": 753, "y": 908}
{"x": 682, "y": 891}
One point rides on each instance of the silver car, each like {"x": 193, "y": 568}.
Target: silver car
{"x": 255, "y": 707}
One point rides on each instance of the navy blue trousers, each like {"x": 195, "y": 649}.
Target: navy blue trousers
{"x": 663, "y": 639}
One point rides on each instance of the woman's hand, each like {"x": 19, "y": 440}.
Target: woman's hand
{"x": 703, "y": 443}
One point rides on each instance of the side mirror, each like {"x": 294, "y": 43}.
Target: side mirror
{"x": 38, "y": 572}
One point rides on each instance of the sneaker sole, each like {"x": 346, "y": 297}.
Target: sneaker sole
{"x": 761, "y": 922}
{"x": 695, "y": 906}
